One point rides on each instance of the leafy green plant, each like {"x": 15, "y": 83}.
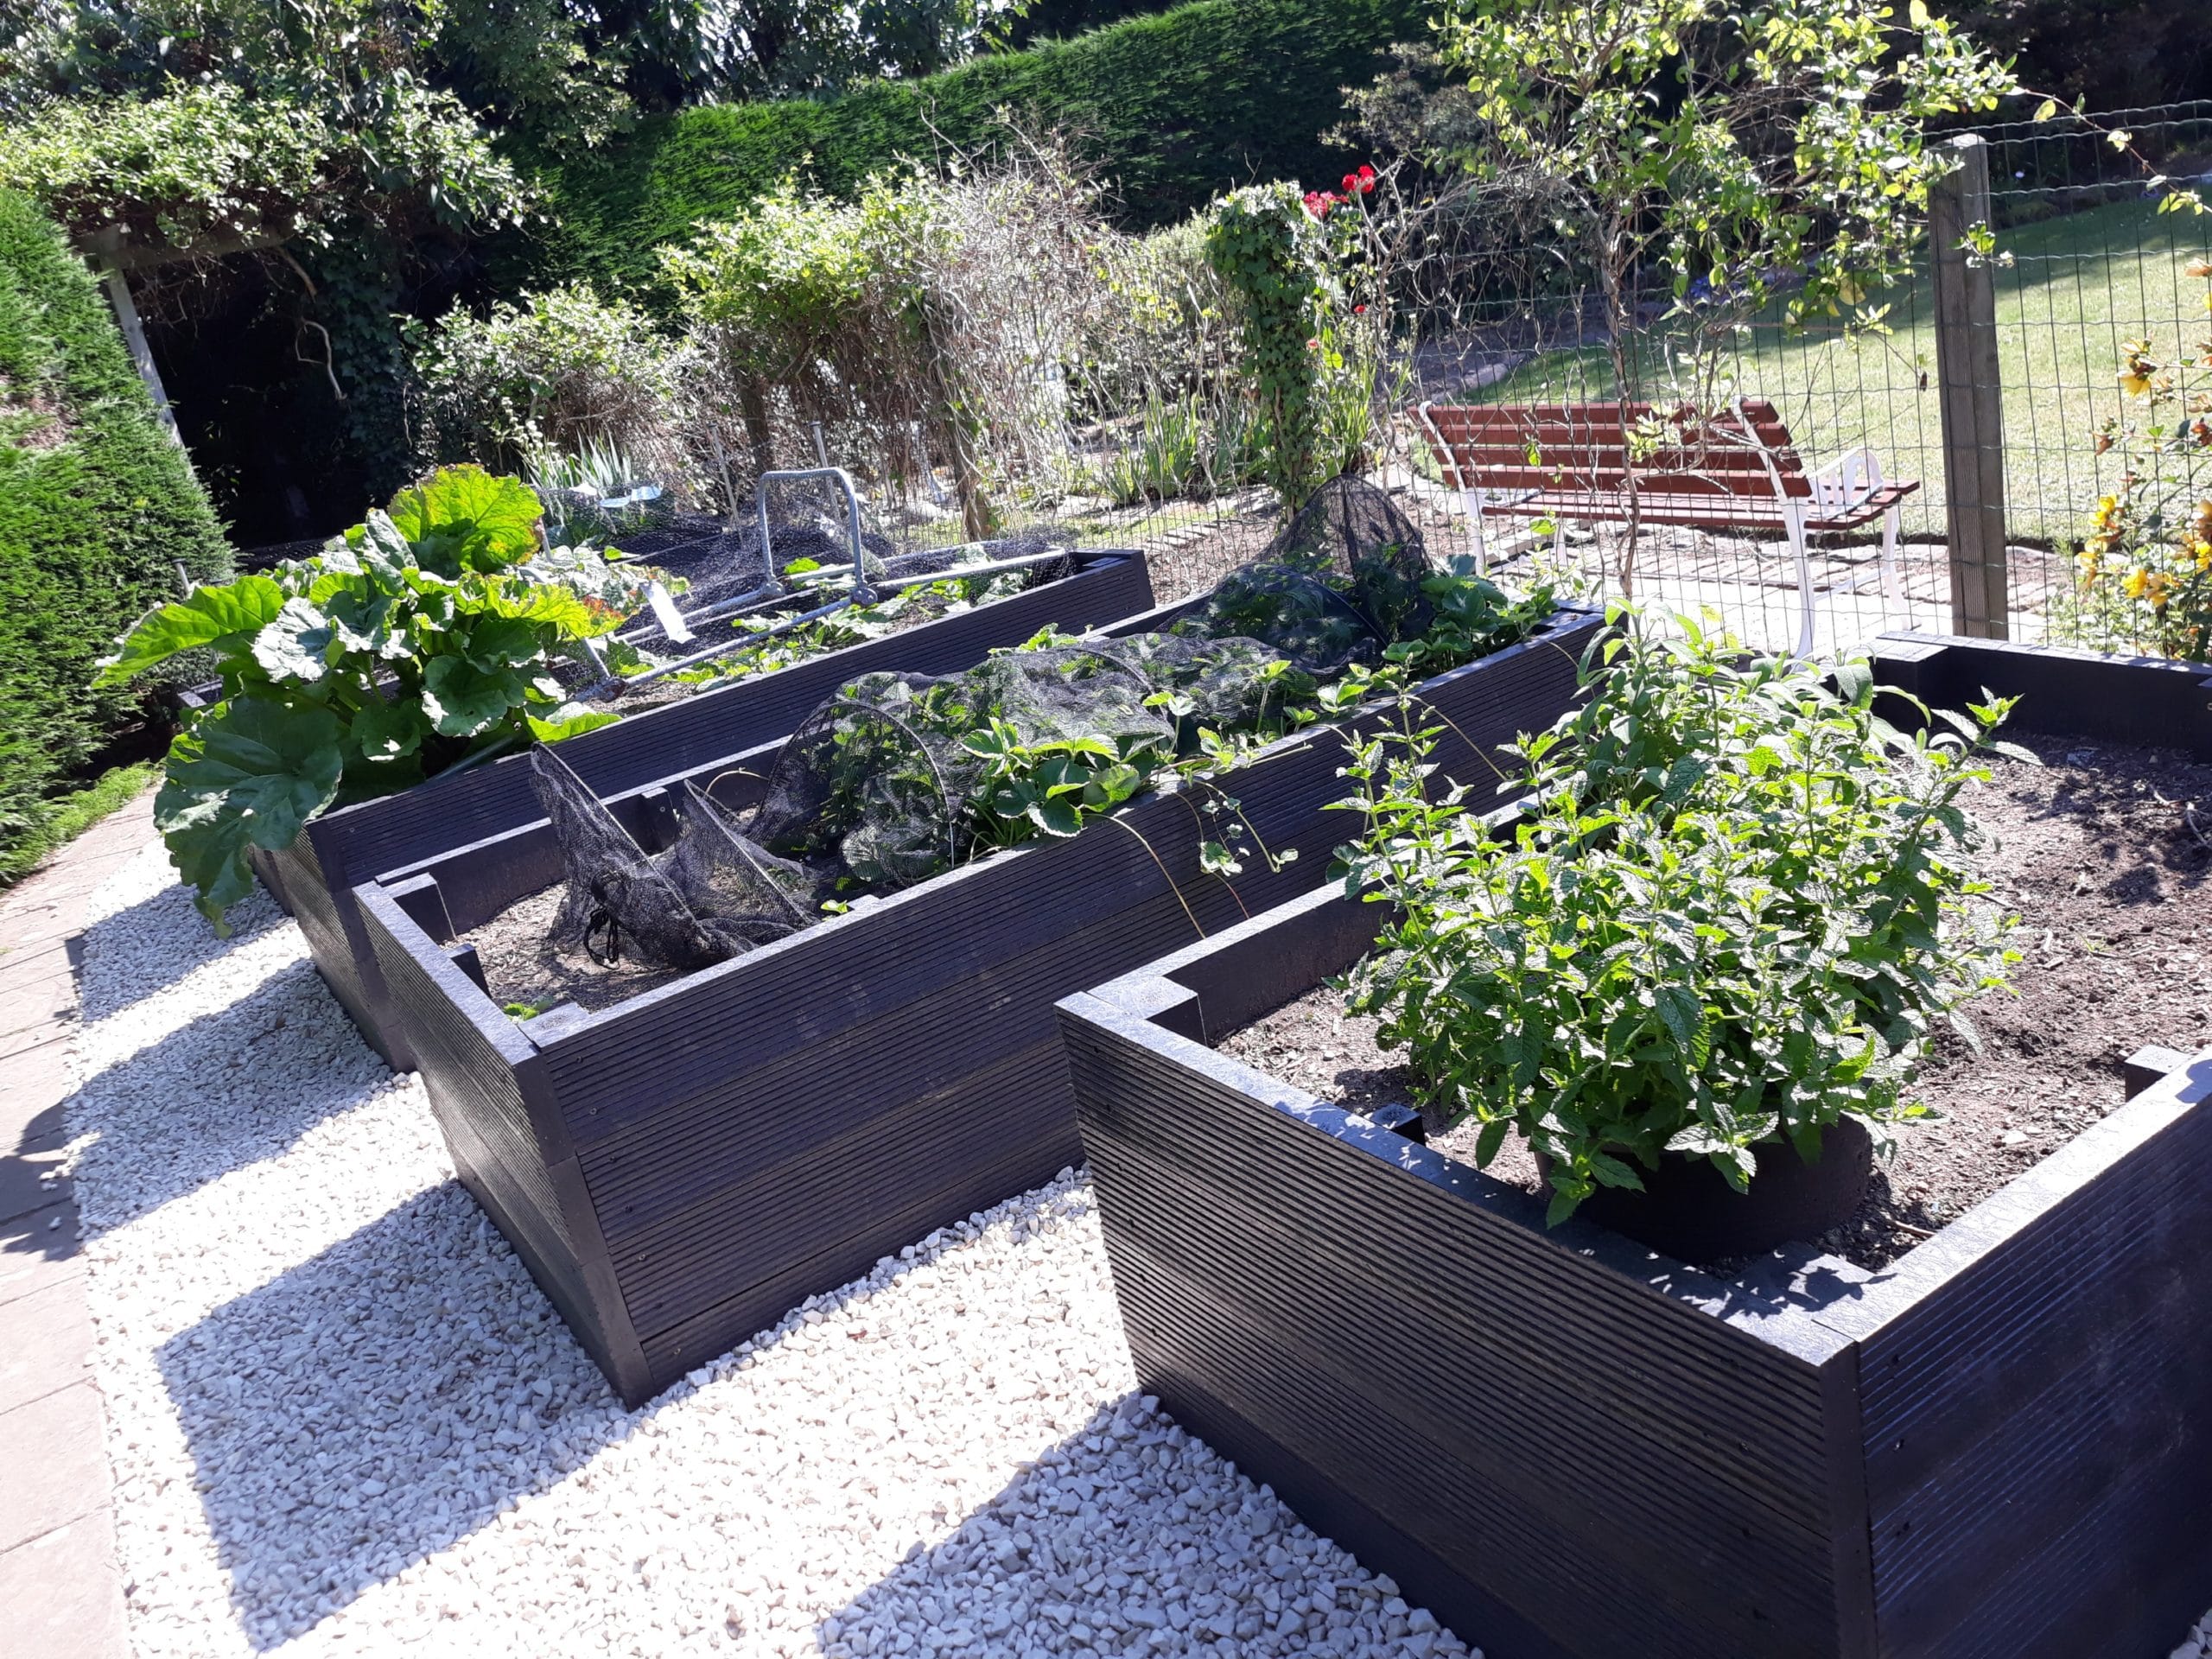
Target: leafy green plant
{"x": 1474, "y": 617}
{"x": 2144, "y": 572}
{"x": 1732, "y": 909}
{"x": 417, "y": 641}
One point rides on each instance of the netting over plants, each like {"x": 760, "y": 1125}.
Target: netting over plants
{"x": 1341, "y": 583}
{"x": 791, "y": 594}
{"x": 898, "y": 777}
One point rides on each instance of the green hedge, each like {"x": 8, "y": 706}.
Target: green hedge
{"x": 96, "y": 506}
{"x": 1177, "y": 106}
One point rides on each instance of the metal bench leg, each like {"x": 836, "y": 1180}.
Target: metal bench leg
{"x": 1793, "y": 515}
{"x": 1892, "y": 579}
{"x": 1472, "y": 499}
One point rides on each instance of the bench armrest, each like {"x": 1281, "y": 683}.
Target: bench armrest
{"x": 1847, "y": 482}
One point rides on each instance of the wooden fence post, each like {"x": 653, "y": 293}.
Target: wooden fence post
{"x": 1970, "y": 396}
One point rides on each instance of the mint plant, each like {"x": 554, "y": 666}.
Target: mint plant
{"x": 1733, "y": 908}
{"x": 416, "y": 641}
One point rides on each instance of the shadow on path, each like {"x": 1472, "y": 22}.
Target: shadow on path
{"x": 375, "y": 1404}
{"x": 204, "y": 1099}
{"x": 1132, "y": 1536}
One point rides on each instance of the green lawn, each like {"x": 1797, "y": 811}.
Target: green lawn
{"x": 2079, "y": 286}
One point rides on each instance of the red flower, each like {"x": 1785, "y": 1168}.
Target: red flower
{"x": 1358, "y": 309}
{"x": 1312, "y": 345}
{"x": 1351, "y": 181}
{"x": 1366, "y": 177}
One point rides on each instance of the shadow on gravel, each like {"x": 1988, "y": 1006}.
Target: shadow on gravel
{"x": 147, "y": 947}
{"x": 1078, "y": 1541}
{"x": 202, "y": 1100}
{"x": 376, "y": 1404}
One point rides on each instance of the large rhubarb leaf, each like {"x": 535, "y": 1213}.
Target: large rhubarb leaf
{"x": 250, "y": 771}
{"x": 465, "y": 518}
{"x": 462, "y": 699}
{"x": 295, "y": 646}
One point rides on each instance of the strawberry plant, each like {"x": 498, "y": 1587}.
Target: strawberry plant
{"x": 1733, "y": 908}
{"x": 417, "y": 641}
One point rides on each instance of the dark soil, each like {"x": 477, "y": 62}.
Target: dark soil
{"x": 2104, "y": 853}
{"x": 520, "y": 967}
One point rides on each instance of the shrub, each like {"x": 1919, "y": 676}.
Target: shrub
{"x": 935, "y": 299}
{"x": 560, "y": 372}
{"x": 416, "y": 641}
{"x": 97, "y": 507}
{"x": 1736, "y": 905}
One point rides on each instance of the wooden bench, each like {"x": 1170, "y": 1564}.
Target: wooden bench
{"x": 1735, "y": 471}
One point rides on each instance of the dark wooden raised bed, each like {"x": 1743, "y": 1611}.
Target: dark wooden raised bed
{"x": 683, "y": 1168}
{"x": 314, "y": 878}
{"x": 1566, "y": 1446}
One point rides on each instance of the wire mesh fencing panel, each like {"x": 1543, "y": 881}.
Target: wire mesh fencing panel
{"x": 2085, "y": 264}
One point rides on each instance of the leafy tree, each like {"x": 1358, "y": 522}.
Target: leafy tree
{"x": 1728, "y": 156}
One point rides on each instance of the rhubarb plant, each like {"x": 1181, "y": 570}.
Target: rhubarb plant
{"x": 417, "y": 641}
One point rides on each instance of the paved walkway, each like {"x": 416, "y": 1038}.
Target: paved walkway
{"x": 58, "y": 1580}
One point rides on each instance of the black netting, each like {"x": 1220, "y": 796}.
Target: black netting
{"x": 900, "y": 778}
{"x": 1341, "y": 581}
{"x": 618, "y": 901}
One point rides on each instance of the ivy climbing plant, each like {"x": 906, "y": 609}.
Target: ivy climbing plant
{"x": 1273, "y": 250}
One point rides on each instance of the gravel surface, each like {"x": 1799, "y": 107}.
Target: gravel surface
{"x": 343, "y": 1421}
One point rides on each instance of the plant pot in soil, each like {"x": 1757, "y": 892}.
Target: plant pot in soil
{"x": 1688, "y": 1211}
{"x": 314, "y": 877}
{"x": 1572, "y": 1448}
{"x": 682, "y": 1167}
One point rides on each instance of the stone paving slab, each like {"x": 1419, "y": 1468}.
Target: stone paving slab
{"x": 60, "y": 1580}
{"x": 57, "y": 1463}
{"x": 58, "y": 1592}
{"x": 50, "y": 1345}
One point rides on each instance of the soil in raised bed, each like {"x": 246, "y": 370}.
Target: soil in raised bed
{"x": 521, "y": 967}
{"x": 2104, "y": 854}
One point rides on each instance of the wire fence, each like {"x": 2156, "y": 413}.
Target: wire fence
{"x": 2086, "y": 264}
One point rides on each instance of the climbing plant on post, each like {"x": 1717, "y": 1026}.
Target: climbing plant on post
{"x": 1274, "y": 251}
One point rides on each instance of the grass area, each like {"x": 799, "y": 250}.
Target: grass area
{"x": 2079, "y": 286}
{"x": 71, "y": 815}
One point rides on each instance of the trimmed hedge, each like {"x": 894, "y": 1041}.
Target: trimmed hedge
{"x": 1178, "y": 107}
{"x": 96, "y": 506}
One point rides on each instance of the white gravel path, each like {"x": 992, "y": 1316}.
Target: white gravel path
{"x": 343, "y": 1421}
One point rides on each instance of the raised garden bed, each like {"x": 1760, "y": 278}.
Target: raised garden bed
{"x": 1568, "y": 1446}
{"x": 681, "y": 1168}
{"x": 314, "y": 878}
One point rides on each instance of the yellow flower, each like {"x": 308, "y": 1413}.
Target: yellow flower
{"x": 2137, "y": 580}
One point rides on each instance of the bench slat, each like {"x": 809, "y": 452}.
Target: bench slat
{"x": 1603, "y": 423}
{"x": 1582, "y": 450}
{"x": 1697, "y": 512}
